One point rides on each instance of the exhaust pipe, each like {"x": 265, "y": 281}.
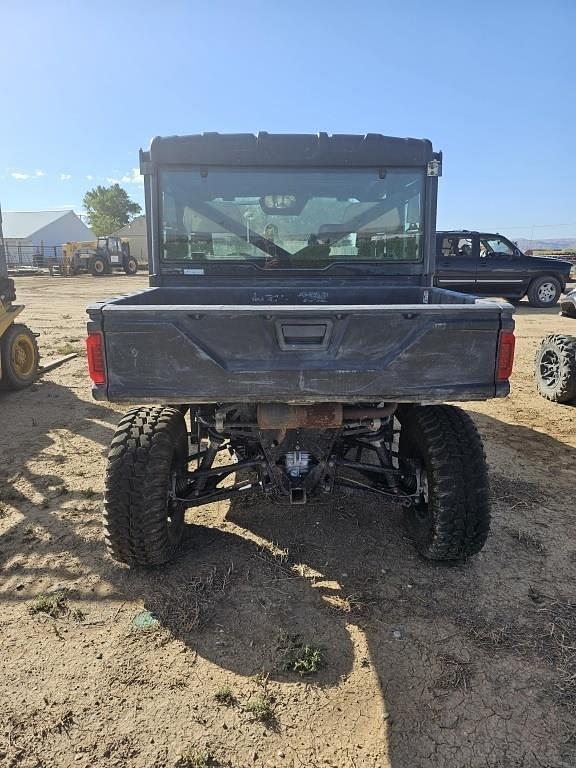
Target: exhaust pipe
{"x": 322, "y": 416}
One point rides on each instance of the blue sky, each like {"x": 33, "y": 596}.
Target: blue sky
{"x": 493, "y": 84}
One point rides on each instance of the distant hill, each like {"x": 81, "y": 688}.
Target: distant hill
{"x": 553, "y": 244}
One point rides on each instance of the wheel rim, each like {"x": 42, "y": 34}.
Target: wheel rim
{"x": 415, "y": 482}
{"x": 547, "y": 292}
{"x": 23, "y": 357}
{"x": 99, "y": 267}
{"x": 550, "y": 368}
{"x": 421, "y": 506}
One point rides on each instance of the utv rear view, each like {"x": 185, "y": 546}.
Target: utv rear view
{"x": 289, "y": 338}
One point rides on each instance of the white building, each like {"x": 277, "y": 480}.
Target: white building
{"x": 31, "y": 235}
{"x": 135, "y": 234}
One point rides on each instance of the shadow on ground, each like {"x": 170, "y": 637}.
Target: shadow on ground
{"x": 330, "y": 572}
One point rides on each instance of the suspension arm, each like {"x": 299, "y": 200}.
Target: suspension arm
{"x": 219, "y": 494}
{"x": 402, "y": 498}
{"x": 222, "y": 472}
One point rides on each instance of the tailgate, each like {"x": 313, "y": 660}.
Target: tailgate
{"x": 209, "y": 353}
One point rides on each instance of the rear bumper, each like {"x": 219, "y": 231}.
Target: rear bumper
{"x": 428, "y": 396}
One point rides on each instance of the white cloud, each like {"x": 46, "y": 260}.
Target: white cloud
{"x": 65, "y": 176}
{"x": 89, "y": 177}
{"x": 22, "y": 175}
{"x": 129, "y": 178}
{"x": 134, "y": 177}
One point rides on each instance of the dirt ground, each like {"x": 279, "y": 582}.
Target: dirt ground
{"x": 466, "y": 667}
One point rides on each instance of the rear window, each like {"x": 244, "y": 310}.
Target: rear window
{"x": 291, "y": 218}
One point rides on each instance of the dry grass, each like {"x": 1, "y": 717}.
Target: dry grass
{"x": 548, "y": 632}
{"x": 196, "y": 758}
{"x": 53, "y": 605}
{"x": 557, "y": 644}
{"x": 183, "y": 605}
{"x": 456, "y": 674}
{"x": 68, "y": 349}
{"x": 526, "y": 540}
{"x": 225, "y": 696}
{"x": 261, "y": 708}
{"x": 515, "y": 492}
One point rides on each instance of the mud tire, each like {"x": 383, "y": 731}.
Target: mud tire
{"x": 142, "y": 526}
{"x": 453, "y": 522}
{"x": 555, "y": 368}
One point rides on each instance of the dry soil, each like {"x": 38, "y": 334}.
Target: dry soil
{"x": 466, "y": 667}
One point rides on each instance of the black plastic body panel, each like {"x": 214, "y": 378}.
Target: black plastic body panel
{"x": 343, "y": 343}
{"x": 298, "y": 150}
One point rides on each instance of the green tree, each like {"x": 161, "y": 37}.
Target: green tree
{"x": 109, "y": 208}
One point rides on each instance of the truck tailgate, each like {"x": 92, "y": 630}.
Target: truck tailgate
{"x": 300, "y": 353}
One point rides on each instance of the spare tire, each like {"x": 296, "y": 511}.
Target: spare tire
{"x": 555, "y": 368}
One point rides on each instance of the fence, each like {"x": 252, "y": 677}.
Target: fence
{"x": 33, "y": 255}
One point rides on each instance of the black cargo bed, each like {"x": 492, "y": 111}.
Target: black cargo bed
{"x": 299, "y": 343}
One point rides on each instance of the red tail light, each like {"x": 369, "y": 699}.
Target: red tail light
{"x": 505, "y": 355}
{"x": 95, "y": 351}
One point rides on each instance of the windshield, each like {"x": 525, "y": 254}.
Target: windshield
{"x": 291, "y": 218}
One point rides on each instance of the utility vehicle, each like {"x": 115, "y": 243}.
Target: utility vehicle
{"x": 292, "y": 341}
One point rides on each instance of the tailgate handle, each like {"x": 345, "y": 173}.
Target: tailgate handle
{"x": 304, "y": 335}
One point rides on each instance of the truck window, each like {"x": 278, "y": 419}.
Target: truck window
{"x": 495, "y": 245}
{"x": 456, "y": 246}
{"x": 296, "y": 218}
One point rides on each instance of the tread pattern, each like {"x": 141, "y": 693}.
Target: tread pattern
{"x": 138, "y": 473}
{"x": 565, "y": 388}
{"x": 446, "y": 440}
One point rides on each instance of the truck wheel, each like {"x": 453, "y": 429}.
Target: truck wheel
{"x": 142, "y": 525}
{"x": 98, "y": 266}
{"x": 555, "y": 368}
{"x": 20, "y": 357}
{"x": 544, "y": 292}
{"x": 131, "y": 266}
{"x": 443, "y": 463}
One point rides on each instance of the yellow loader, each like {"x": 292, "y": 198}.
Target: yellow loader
{"x": 19, "y": 355}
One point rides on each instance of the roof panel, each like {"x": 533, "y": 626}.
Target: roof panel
{"x": 266, "y": 149}
{"x": 19, "y": 225}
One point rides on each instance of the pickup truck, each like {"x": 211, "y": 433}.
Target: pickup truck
{"x": 292, "y": 342}
{"x": 487, "y": 264}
